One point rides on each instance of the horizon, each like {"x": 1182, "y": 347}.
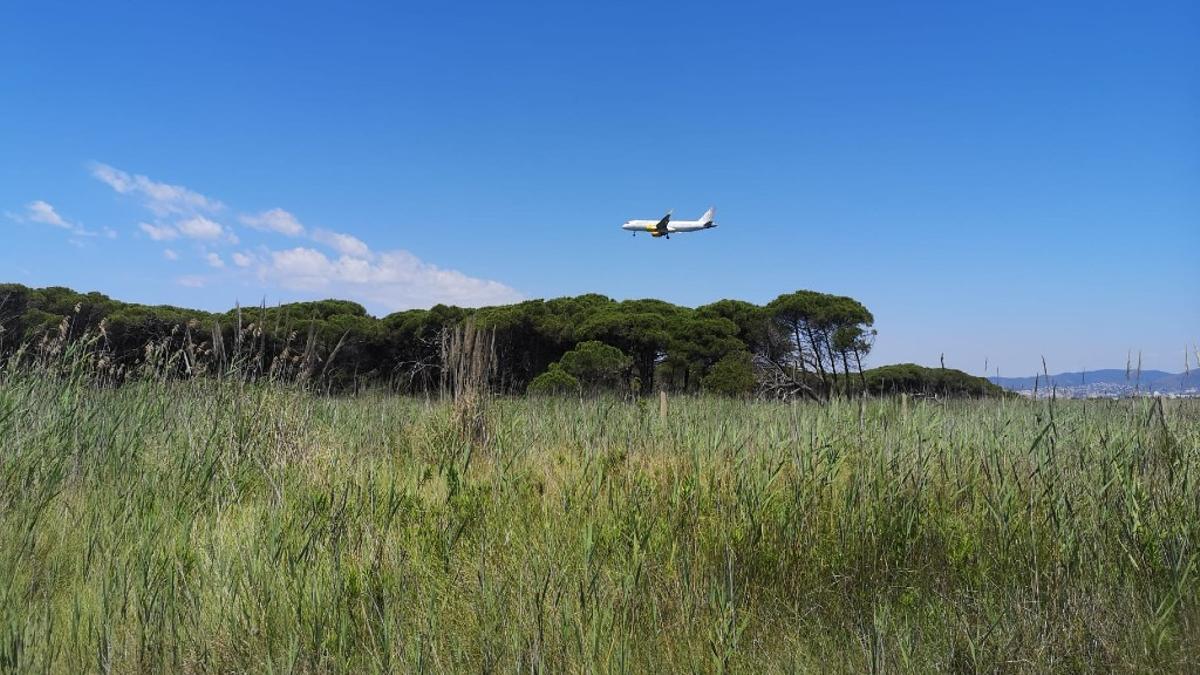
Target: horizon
{"x": 996, "y": 185}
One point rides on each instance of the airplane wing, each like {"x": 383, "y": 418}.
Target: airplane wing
{"x": 662, "y": 224}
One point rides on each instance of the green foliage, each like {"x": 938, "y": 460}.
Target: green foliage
{"x": 818, "y": 333}
{"x": 555, "y": 380}
{"x": 214, "y": 525}
{"x": 733, "y": 375}
{"x": 638, "y": 328}
{"x": 750, "y": 320}
{"x": 696, "y": 343}
{"x": 336, "y": 345}
{"x": 596, "y": 365}
{"x": 14, "y": 300}
{"x": 910, "y": 378}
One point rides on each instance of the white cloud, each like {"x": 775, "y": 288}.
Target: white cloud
{"x": 285, "y": 223}
{"x": 42, "y": 212}
{"x": 391, "y": 280}
{"x": 387, "y": 280}
{"x": 161, "y": 198}
{"x": 342, "y": 243}
{"x": 301, "y": 268}
{"x": 275, "y": 220}
{"x": 159, "y": 232}
{"x": 200, "y": 227}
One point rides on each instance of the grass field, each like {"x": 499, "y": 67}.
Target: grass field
{"x": 218, "y": 527}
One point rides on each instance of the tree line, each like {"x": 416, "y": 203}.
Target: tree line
{"x": 803, "y": 344}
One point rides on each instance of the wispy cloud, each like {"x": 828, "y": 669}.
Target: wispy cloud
{"x": 274, "y": 220}
{"x": 191, "y": 281}
{"x": 159, "y": 232}
{"x": 335, "y": 264}
{"x": 161, "y": 198}
{"x": 391, "y": 280}
{"x": 180, "y": 211}
{"x": 342, "y": 243}
{"x": 199, "y": 227}
{"x": 285, "y": 223}
{"x": 42, "y": 212}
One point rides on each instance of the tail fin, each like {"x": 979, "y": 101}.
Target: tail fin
{"x": 708, "y": 215}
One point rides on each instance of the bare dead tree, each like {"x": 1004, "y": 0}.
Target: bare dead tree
{"x": 783, "y": 382}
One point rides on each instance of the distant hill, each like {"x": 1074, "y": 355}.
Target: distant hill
{"x": 1106, "y": 382}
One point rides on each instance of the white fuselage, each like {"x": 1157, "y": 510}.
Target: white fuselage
{"x": 672, "y": 227}
{"x": 664, "y": 226}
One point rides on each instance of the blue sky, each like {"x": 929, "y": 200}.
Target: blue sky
{"x": 995, "y": 182}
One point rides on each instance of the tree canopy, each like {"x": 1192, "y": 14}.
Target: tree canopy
{"x": 803, "y": 343}
{"x": 913, "y": 379}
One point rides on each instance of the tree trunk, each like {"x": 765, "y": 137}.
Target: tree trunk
{"x": 799, "y": 347}
{"x": 858, "y": 363}
{"x": 816, "y": 347}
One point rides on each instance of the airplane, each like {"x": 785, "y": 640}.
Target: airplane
{"x": 664, "y": 227}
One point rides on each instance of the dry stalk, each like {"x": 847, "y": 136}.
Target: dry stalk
{"x": 468, "y": 365}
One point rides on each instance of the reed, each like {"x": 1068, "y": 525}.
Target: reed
{"x": 227, "y": 524}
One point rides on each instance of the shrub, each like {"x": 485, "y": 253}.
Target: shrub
{"x": 909, "y": 378}
{"x": 733, "y": 375}
{"x": 554, "y": 381}
{"x": 596, "y": 365}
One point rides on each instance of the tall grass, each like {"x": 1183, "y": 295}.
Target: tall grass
{"x": 224, "y": 526}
